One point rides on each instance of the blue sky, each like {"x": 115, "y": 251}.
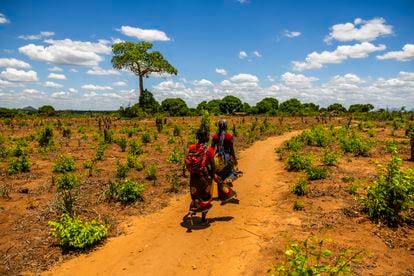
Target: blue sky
{"x": 59, "y": 52}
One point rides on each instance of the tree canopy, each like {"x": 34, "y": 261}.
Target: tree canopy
{"x": 267, "y": 105}
{"x": 230, "y": 104}
{"x": 136, "y": 58}
{"x": 175, "y": 107}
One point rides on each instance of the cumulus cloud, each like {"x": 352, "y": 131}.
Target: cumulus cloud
{"x": 244, "y": 78}
{"x": 119, "y": 83}
{"x": 31, "y": 91}
{"x": 297, "y": 80}
{"x": 291, "y": 34}
{"x": 41, "y": 35}
{"x": 52, "y": 84}
{"x": 56, "y": 76}
{"x": 55, "y": 69}
{"x": 142, "y": 34}
{"x": 406, "y": 54}
{"x": 102, "y": 72}
{"x": 68, "y": 51}
{"x": 3, "y": 19}
{"x": 221, "y": 71}
{"x": 361, "y": 30}
{"x": 73, "y": 90}
{"x": 203, "y": 82}
{"x": 15, "y": 75}
{"x": 14, "y": 63}
{"x": 6, "y": 84}
{"x": 95, "y": 87}
{"x": 242, "y": 55}
{"x": 316, "y": 60}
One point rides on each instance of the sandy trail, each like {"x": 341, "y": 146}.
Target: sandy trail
{"x": 233, "y": 244}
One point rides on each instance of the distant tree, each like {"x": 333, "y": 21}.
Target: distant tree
{"x": 136, "y": 58}
{"x": 230, "y": 104}
{"x": 267, "y": 105}
{"x": 47, "y": 110}
{"x": 337, "y": 107}
{"x": 134, "y": 111}
{"x": 247, "y": 108}
{"x": 148, "y": 103}
{"x": 360, "y": 108}
{"x": 291, "y": 106}
{"x": 213, "y": 107}
{"x": 175, "y": 107}
{"x": 310, "y": 107}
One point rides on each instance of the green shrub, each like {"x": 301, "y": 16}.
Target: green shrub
{"x": 294, "y": 144}
{"x": 159, "y": 122}
{"x": 100, "y": 151}
{"x": 135, "y": 148}
{"x": 315, "y": 173}
{"x": 317, "y": 136}
{"x": 145, "y": 138}
{"x": 45, "y": 137}
{"x": 300, "y": 188}
{"x": 121, "y": 170}
{"x": 19, "y": 148}
{"x": 151, "y": 172}
{"x": 67, "y": 181}
{"x": 72, "y": 233}
{"x": 176, "y": 157}
{"x": 298, "y": 161}
{"x": 356, "y": 145}
{"x": 392, "y": 193}
{"x": 125, "y": 190}
{"x": 122, "y": 143}
{"x": 309, "y": 257}
{"x": 134, "y": 163}
{"x": 171, "y": 140}
{"x": 177, "y": 130}
{"x": 19, "y": 164}
{"x": 329, "y": 158}
{"x": 64, "y": 164}
{"x": 298, "y": 205}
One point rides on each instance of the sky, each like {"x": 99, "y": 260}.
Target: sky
{"x": 59, "y": 52}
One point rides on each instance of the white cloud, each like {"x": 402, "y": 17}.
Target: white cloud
{"x": 68, "y": 52}
{"x": 203, "y": 82}
{"x": 297, "y": 80}
{"x": 31, "y": 91}
{"x": 73, "y": 70}
{"x": 244, "y": 78}
{"x": 56, "y": 76}
{"x": 169, "y": 85}
{"x": 95, "y": 87}
{"x": 41, "y": 35}
{"x": 55, "y": 69}
{"x": 406, "y": 54}
{"x": 142, "y": 34}
{"x": 14, "y": 63}
{"x": 221, "y": 71}
{"x": 270, "y": 78}
{"x": 242, "y": 55}
{"x": 52, "y": 84}
{"x": 119, "y": 83}
{"x": 73, "y": 90}
{"x": 257, "y": 54}
{"x": 102, "y": 72}
{"x": 369, "y": 30}
{"x": 3, "y": 19}
{"x": 316, "y": 60}
{"x": 291, "y": 34}
{"x": 15, "y": 75}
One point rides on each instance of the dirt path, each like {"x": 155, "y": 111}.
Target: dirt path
{"x": 235, "y": 243}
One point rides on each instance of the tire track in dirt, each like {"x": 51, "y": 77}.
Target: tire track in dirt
{"x": 237, "y": 241}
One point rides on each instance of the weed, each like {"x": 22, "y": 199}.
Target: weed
{"x": 298, "y": 161}
{"x": 151, "y": 172}
{"x": 300, "y": 188}
{"x": 298, "y": 205}
{"x": 135, "y": 148}
{"x": 134, "y": 163}
{"x": 176, "y": 157}
{"x": 100, "y": 151}
{"x": 64, "y": 164}
{"x": 19, "y": 164}
{"x": 121, "y": 170}
{"x": 72, "y": 233}
{"x": 122, "y": 143}
{"x": 145, "y": 138}
{"x": 316, "y": 173}
{"x": 125, "y": 191}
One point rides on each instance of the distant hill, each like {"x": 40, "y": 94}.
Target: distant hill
{"x": 29, "y": 108}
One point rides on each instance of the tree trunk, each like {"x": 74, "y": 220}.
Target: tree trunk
{"x": 141, "y": 85}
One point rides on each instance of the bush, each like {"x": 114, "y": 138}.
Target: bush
{"x": 329, "y": 158}
{"x": 176, "y": 157}
{"x": 72, "y": 233}
{"x": 392, "y": 193}
{"x": 45, "y": 137}
{"x": 19, "y": 148}
{"x": 298, "y": 161}
{"x": 121, "y": 170}
{"x": 151, "y": 172}
{"x": 309, "y": 257}
{"x": 100, "y": 151}
{"x": 134, "y": 163}
{"x": 122, "y": 143}
{"x": 145, "y": 138}
{"x": 317, "y": 136}
{"x": 355, "y": 145}
{"x": 294, "y": 144}
{"x": 64, "y": 164}
{"x": 125, "y": 190}
{"x": 315, "y": 173}
{"x": 67, "y": 182}
{"x": 135, "y": 148}
{"x": 300, "y": 187}
{"x": 19, "y": 164}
